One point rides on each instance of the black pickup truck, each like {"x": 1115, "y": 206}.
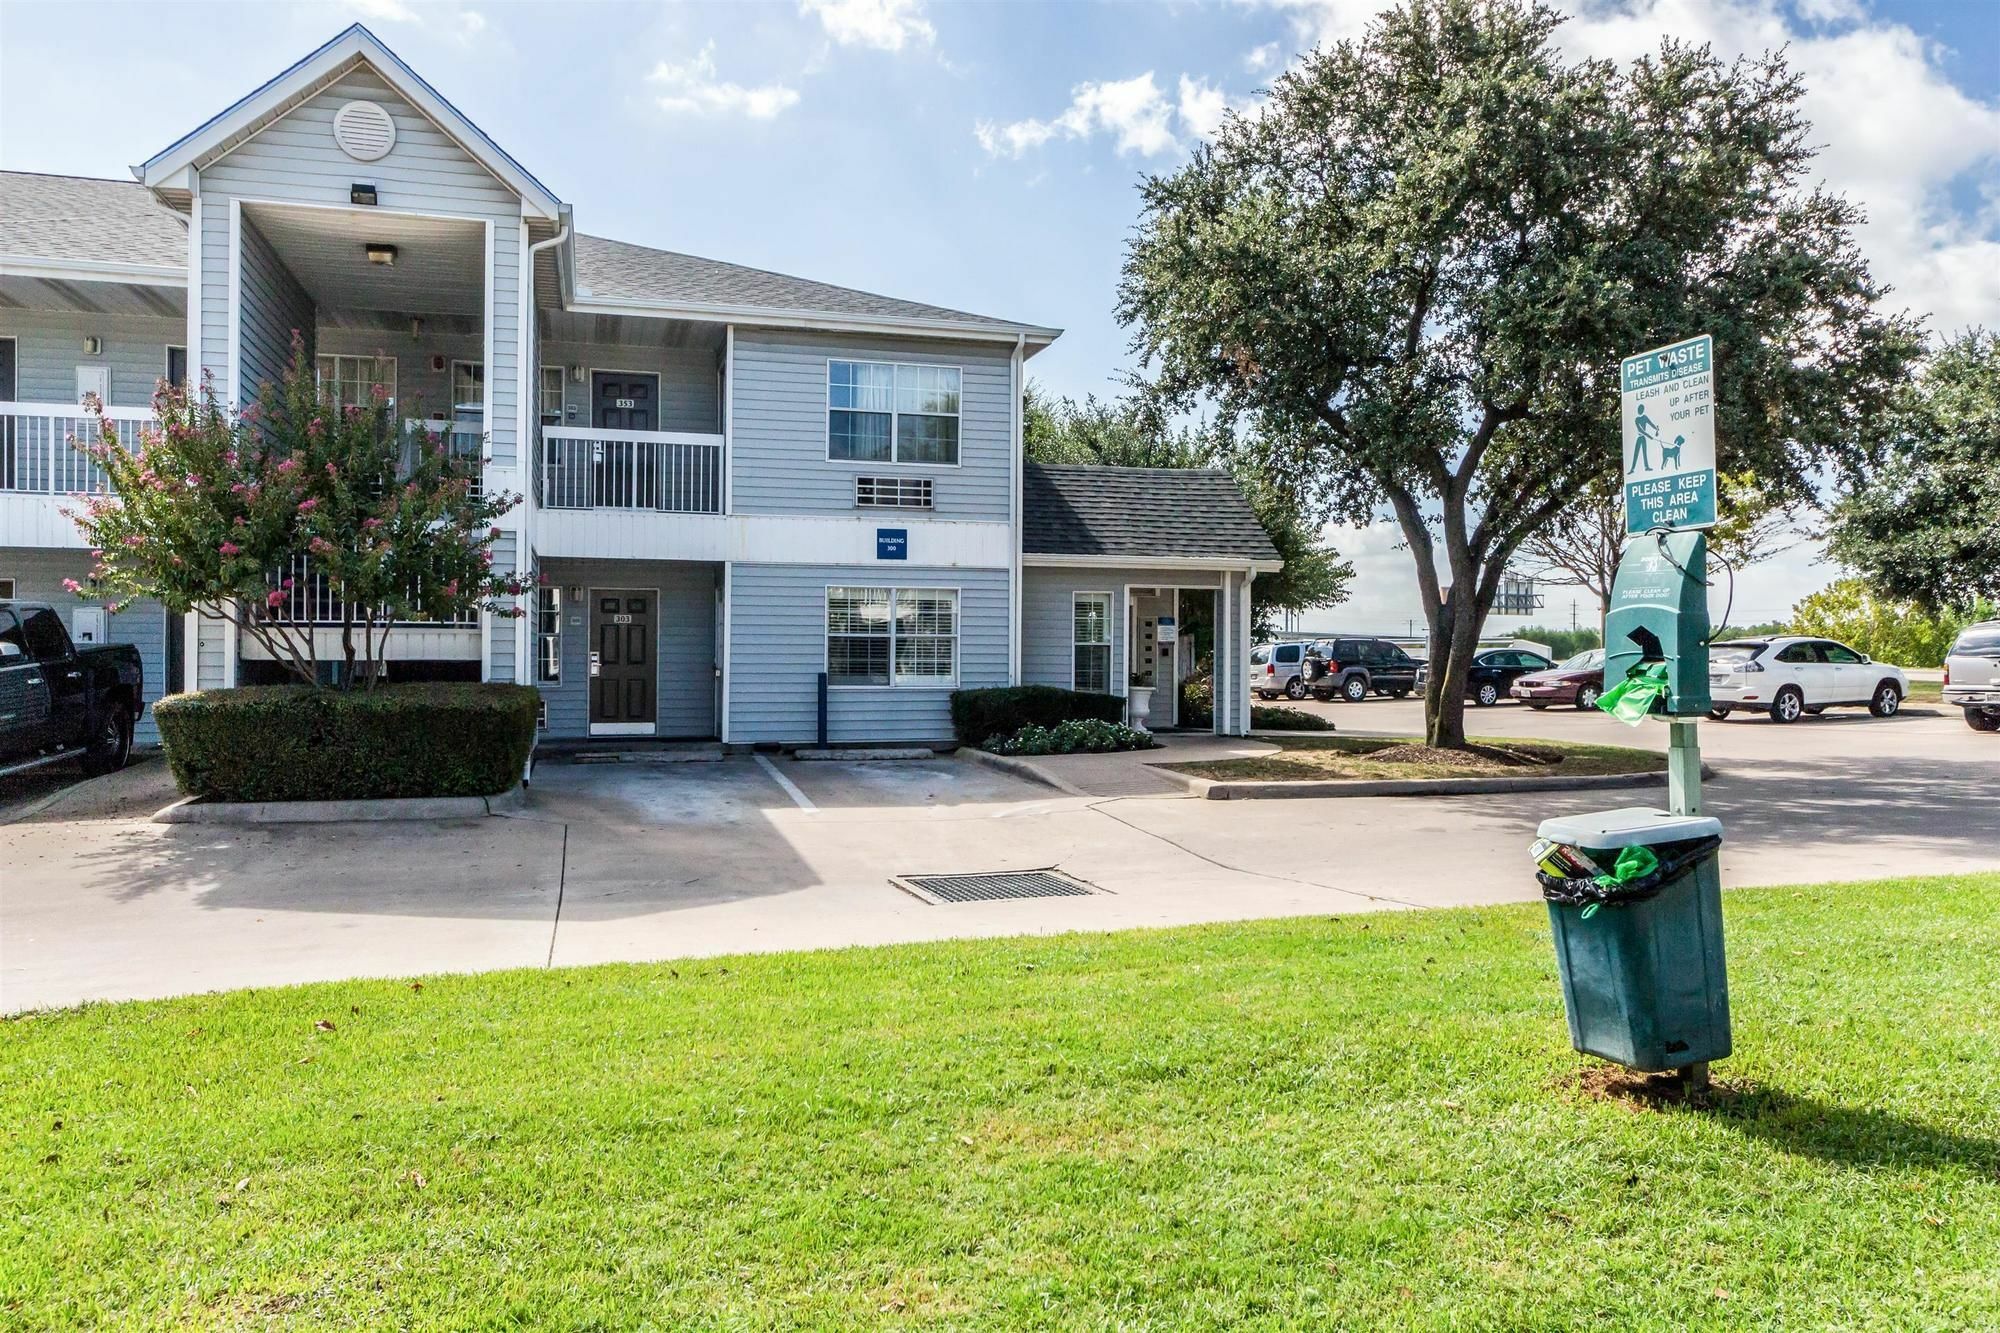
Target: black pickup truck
{"x": 58, "y": 701}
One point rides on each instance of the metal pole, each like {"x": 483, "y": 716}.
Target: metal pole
{"x": 1683, "y": 768}
{"x": 822, "y": 709}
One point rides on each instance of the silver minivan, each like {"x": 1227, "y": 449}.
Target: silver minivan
{"x": 1972, "y": 675}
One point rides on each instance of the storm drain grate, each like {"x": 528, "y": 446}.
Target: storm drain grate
{"x": 995, "y": 886}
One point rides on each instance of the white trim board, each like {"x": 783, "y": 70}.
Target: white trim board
{"x": 1222, "y": 564}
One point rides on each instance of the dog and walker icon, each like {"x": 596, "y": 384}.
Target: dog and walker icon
{"x": 1649, "y": 434}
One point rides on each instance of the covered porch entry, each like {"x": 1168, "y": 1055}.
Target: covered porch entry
{"x": 627, "y": 648}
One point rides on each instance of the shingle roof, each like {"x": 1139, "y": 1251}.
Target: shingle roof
{"x": 84, "y": 218}
{"x": 1139, "y": 511}
{"x": 619, "y": 269}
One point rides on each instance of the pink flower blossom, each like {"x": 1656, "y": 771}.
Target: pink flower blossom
{"x": 274, "y": 598}
{"x": 370, "y": 524}
{"x": 320, "y": 546}
{"x": 71, "y": 585}
{"x": 288, "y": 467}
{"x": 230, "y": 548}
{"x": 193, "y": 479}
{"x": 133, "y": 541}
{"x": 307, "y": 505}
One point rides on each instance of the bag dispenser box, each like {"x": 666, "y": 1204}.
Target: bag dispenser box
{"x": 1659, "y": 614}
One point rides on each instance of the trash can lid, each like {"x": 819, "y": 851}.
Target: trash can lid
{"x": 1634, "y": 826}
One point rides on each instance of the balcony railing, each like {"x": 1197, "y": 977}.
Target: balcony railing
{"x": 38, "y": 444}
{"x": 37, "y": 452}
{"x": 312, "y": 600}
{"x": 586, "y": 468}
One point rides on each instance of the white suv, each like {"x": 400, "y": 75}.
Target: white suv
{"x": 1972, "y": 675}
{"x": 1787, "y": 676}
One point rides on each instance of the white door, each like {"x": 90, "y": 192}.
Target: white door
{"x": 1848, "y": 677}
{"x": 1801, "y": 665}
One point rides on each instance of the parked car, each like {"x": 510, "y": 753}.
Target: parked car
{"x": 1578, "y": 681}
{"x": 1494, "y": 672}
{"x": 1279, "y": 668}
{"x": 1972, "y": 675}
{"x": 1789, "y": 675}
{"x": 1354, "y": 668}
{"x": 61, "y": 702}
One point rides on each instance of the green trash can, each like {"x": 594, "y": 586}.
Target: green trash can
{"x": 1644, "y": 981}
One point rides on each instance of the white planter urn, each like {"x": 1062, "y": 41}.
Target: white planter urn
{"x": 1138, "y": 705}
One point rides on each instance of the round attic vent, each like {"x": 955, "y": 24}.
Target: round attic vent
{"x": 364, "y": 131}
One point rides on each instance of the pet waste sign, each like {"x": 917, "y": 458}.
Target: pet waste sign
{"x": 1668, "y": 409}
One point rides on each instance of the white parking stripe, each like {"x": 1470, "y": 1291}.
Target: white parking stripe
{"x": 799, "y": 798}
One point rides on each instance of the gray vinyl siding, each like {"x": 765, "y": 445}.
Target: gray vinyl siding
{"x": 274, "y": 307}
{"x": 49, "y": 348}
{"x": 501, "y": 631}
{"x": 38, "y": 576}
{"x": 685, "y": 653}
{"x": 294, "y": 160}
{"x": 778, "y": 649}
{"x": 690, "y": 385}
{"x": 780, "y": 425}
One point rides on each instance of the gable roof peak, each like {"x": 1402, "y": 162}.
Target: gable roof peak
{"x": 310, "y": 75}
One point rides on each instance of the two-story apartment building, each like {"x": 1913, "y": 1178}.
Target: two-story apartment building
{"x": 734, "y": 480}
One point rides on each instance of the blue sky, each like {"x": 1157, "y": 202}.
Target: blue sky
{"x": 984, "y": 155}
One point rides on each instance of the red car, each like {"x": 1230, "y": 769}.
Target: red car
{"x": 1578, "y": 681}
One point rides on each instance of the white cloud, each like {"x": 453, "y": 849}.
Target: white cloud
{"x": 885, "y": 25}
{"x": 1202, "y": 106}
{"x": 691, "y": 88}
{"x": 1832, "y": 11}
{"x": 1264, "y": 57}
{"x": 1134, "y": 112}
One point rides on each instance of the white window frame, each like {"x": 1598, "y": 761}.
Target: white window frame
{"x": 544, "y": 638}
{"x": 895, "y": 414}
{"x": 1107, "y": 645}
{"x": 957, "y": 635}
{"x": 452, "y": 387}
{"x": 319, "y": 371}
{"x": 542, "y": 396}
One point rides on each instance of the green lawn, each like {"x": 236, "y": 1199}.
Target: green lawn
{"x": 1357, "y": 1122}
{"x": 1319, "y": 758}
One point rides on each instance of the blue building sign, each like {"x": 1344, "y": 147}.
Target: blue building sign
{"x": 892, "y": 543}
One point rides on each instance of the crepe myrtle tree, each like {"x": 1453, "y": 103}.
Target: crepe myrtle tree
{"x": 212, "y": 512}
{"x": 1416, "y": 268}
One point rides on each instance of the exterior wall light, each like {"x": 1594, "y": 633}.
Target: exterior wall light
{"x": 385, "y": 255}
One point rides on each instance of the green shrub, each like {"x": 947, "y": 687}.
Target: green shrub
{"x": 294, "y": 743}
{"x": 1198, "y": 701}
{"x": 1264, "y": 717}
{"x": 979, "y": 715}
{"x": 1078, "y": 736}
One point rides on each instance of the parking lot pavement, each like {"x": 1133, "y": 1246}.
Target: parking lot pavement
{"x": 648, "y": 861}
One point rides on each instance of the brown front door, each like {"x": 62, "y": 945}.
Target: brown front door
{"x": 623, "y": 677}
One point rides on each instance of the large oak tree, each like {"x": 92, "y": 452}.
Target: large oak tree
{"x": 1415, "y": 268}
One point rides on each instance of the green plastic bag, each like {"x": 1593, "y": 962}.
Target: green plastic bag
{"x": 1632, "y": 863}
{"x": 1632, "y": 698}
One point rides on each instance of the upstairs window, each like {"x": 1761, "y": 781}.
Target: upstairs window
{"x": 879, "y": 412}
{"x": 351, "y": 381}
{"x": 468, "y": 391}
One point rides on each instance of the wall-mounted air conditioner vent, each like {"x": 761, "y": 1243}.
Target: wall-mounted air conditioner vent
{"x": 892, "y": 492}
{"x": 364, "y": 131}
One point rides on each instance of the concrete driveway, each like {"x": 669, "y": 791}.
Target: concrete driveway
{"x": 661, "y": 860}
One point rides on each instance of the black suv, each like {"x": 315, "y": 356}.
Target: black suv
{"x": 1352, "y": 669}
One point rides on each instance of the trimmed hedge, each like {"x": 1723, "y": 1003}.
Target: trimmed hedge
{"x": 294, "y": 743}
{"x": 979, "y": 715}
